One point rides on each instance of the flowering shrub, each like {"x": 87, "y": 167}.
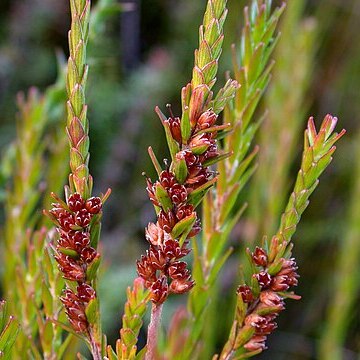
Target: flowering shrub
{"x": 209, "y": 145}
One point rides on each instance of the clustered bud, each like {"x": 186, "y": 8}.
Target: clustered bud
{"x": 263, "y": 308}
{"x": 74, "y": 253}
{"x": 160, "y": 266}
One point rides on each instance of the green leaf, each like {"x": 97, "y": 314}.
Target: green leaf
{"x": 163, "y": 197}
{"x": 196, "y": 196}
{"x": 111, "y": 353}
{"x": 154, "y": 160}
{"x": 185, "y": 125}
{"x": 184, "y": 226}
{"x": 92, "y": 268}
{"x": 77, "y": 98}
{"x": 241, "y": 308}
{"x": 141, "y": 354}
{"x": 8, "y": 336}
{"x": 95, "y": 231}
{"x": 172, "y": 144}
{"x": 179, "y": 168}
{"x": 47, "y": 299}
{"x": 92, "y": 311}
{"x": 70, "y": 252}
{"x": 243, "y": 336}
{"x": 47, "y": 336}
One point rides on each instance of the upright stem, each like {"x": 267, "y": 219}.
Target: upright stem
{"x": 153, "y": 331}
{"x": 95, "y": 347}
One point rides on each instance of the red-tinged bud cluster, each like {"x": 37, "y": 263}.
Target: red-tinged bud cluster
{"x": 257, "y": 342}
{"x": 260, "y": 257}
{"x": 245, "y": 292}
{"x": 74, "y": 253}
{"x": 75, "y": 305}
{"x": 263, "y": 307}
{"x": 160, "y": 268}
{"x": 206, "y": 120}
{"x": 263, "y": 325}
{"x": 174, "y": 125}
{"x": 176, "y": 217}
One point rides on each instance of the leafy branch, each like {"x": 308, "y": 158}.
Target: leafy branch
{"x": 274, "y": 271}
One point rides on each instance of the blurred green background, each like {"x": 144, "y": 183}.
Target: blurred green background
{"x": 141, "y": 58}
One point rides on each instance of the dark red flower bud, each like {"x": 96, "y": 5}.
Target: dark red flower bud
{"x": 75, "y": 310}
{"x": 190, "y": 158}
{"x": 179, "y": 286}
{"x": 264, "y": 279}
{"x": 151, "y": 192}
{"x": 197, "y": 176}
{"x": 246, "y": 293}
{"x": 167, "y": 179}
{"x": 156, "y": 258}
{"x": 93, "y": 205}
{"x": 75, "y": 202}
{"x": 172, "y": 250}
{"x": 68, "y": 297}
{"x": 289, "y": 264}
{"x": 154, "y": 234}
{"x": 81, "y": 239}
{"x": 183, "y": 211}
{"x": 70, "y": 268}
{"x": 159, "y": 290}
{"x": 200, "y": 143}
{"x": 88, "y": 254}
{"x": 257, "y": 342}
{"x": 64, "y": 218}
{"x": 178, "y": 270}
{"x": 85, "y": 292}
{"x": 263, "y": 324}
{"x": 280, "y": 283}
{"x": 77, "y": 320}
{"x": 146, "y": 270}
{"x": 259, "y": 257}
{"x": 271, "y": 299}
{"x": 83, "y": 218}
{"x": 166, "y": 220}
{"x": 206, "y": 120}
{"x": 292, "y": 276}
{"x": 178, "y": 194}
{"x": 174, "y": 124}
{"x": 210, "y": 153}
{"x": 66, "y": 241}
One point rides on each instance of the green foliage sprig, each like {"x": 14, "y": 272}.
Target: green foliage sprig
{"x": 273, "y": 270}
{"x": 182, "y": 186}
{"x": 78, "y": 220}
{"x": 135, "y": 308}
{"x": 219, "y": 215}
{"x": 9, "y": 328}
{"x": 77, "y": 122}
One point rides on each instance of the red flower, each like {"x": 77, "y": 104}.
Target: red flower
{"x": 75, "y": 202}
{"x": 260, "y": 257}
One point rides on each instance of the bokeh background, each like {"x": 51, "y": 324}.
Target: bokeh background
{"x": 140, "y": 58}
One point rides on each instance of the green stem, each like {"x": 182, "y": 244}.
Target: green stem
{"x": 77, "y": 123}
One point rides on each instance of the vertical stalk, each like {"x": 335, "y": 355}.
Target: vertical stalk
{"x": 153, "y": 331}
{"x": 78, "y": 220}
{"x": 77, "y": 123}
{"x": 95, "y": 348}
